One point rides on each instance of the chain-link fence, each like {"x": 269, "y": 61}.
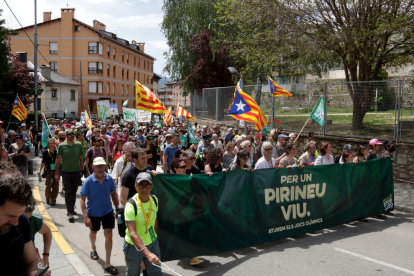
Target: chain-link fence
{"x": 380, "y": 109}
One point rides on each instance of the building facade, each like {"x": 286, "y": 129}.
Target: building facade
{"x": 171, "y": 93}
{"x": 105, "y": 65}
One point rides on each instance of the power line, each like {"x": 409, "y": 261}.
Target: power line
{"x": 26, "y": 32}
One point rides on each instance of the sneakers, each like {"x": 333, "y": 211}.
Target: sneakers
{"x": 196, "y": 261}
{"x": 380, "y": 217}
{"x": 63, "y": 191}
{"x": 52, "y": 203}
{"x": 48, "y": 201}
{"x": 71, "y": 218}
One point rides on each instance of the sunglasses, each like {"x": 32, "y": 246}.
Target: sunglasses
{"x": 182, "y": 167}
{"x": 146, "y": 186}
{"x": 69, "y": 134}
{"x": 268, "y": 149}
{"x": 246, "y": 158}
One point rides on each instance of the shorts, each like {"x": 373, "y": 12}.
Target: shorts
{"x": 108, "y": 222}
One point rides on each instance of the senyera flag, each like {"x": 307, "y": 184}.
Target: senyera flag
{"x": 88, "y": 120}
{"x": 167, "y": 117}
{"x": 243, "y": 107}
{"x": 146, "y": 100}
{"x": 182, "y": 112}
{"x": 276, "y": 90}
{"x": 19, "y": 111}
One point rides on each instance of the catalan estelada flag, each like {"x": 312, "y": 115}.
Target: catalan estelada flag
{"x": 146, "y": 100}
{"x": 181, "y": 112}
{"x": 19, "y": 111}
{"x": 167, "y": 117}
{"x": 276, "y": 90}
{"x": 245, "y": 108}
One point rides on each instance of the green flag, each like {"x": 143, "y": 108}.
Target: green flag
{"x": 157, "y": 124}
{"x": 191, "y": 136}
{"x": 125, "y": 103}
{"x": 66, "y": 112}
{"x": 265, "y": 130}
{"x": 104, "y": 114}
{"x": 122, "y": 121}
{"x": 318, "y": 113}
{"x": 45, "y": 133}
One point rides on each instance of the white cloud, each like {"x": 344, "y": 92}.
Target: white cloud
{"x": 158, "y": 44}
{"x": 138, "y": 21}
{"x": 99, "y": 1}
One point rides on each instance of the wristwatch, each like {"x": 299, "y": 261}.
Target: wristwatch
{"x": 117, "y": 209}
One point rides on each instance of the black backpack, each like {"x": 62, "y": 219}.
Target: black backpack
{"x": 122, "y": 227}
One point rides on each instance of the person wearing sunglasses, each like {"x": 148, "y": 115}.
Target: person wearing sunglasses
{"x": 189, "y": 157}
{"x": 309, "y": 157}
{"x": 247, "y": 146}
{"x": 241, "y": 161}
{"x": 266, "y": 161}
{"x": 279, "y": 150}
{"x": 96, "y": 151}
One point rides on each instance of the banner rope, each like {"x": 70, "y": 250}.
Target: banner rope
{"x": 166, "y": 268}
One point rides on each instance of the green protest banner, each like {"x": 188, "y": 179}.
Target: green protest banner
{"x": 191, "y": 136}
{"x": 318, "y": 113}
{"x": 202, "y": 215}
{"x": 157, "y": 124}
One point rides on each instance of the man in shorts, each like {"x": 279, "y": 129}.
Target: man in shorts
{"x": 99, "y": 188}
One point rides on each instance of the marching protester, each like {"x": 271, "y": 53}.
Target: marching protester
{"x": 309, "y": 157}
{"x": 117, "y": 151}
{"x": 279, "y": 150}
{"x": 362, "y": 153}
{"x": 4, "y": 156}
{"x": 125, "y": 135}
{"x": 346, "y": 157}
{"x": 189, "y": 157}
{"x": 347, "y": 149}
{"x": 258, "y": 146}
{"x": 18, "y": 257}
{"x": 325, "y": 157}
{"x": 228, "y": 135}
{"x": 11, "y": 138}
{"x": 169, "y": 152}
{"x": 99, "y": 188}
{"x": 178, "y": 166}
{"x": 292, "y": 137}
{"x": 70, "y": 157}
{"x": 228, "y": 155}
{"x": 19, "y": 153}
{"x": 289, "y": 161}
{"x": 266, "y": 161}
{"x": 216, "y": 142}
{"x": 273, "y": 139}
{"x": 48, "y": 163}
{"x": 206, "y": 143}
{"x": 246, "y": 145}
{"x": 213, "y": 162}
{"x": 151, "y": 150}
{"x": 141, "y": 243}
{"x": 241, "y": 161}
{"x": 95, "y": 151}
{"x": 201, "y": 159}
{"x": 374, "y": 147}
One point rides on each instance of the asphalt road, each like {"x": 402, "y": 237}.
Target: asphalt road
{"x": 373, "y": 248}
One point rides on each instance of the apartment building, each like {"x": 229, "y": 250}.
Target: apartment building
{"x": 170, "y": 94}
{"x": 108, "y": 64}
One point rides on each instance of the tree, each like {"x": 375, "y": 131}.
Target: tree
{"x": 366, "y": 35}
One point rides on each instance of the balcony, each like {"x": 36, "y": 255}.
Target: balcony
{"x": 94, "y": 70}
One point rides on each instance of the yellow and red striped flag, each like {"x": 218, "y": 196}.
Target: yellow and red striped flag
{"x": 276, "y": 90}
{"x": 243, "y": 107}
{"x": 19, "y": 111}
{"x": 182, "y": 112}
{"x": 88, "y": 120}
{"x": 146, "y": 100}
{"x": 167, "y": 117}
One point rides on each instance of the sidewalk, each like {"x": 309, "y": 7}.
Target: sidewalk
{"x": 62, "y": 260}
{"x": 404, "y": 197}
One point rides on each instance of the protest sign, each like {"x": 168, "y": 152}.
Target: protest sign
{"x": 102, "y": 105}
{"x": 113, "y": 109}
{"x": 141, "y": 115}
{"x": 201, "y": 214}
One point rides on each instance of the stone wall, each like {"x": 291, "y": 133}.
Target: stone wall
{"x": 403, "y": 156}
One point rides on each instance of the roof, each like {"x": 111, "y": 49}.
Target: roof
{"x": 54, "y": 77}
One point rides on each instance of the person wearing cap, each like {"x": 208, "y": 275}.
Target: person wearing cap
{"x": 11, "y": 138}
{"x": 20, "y": 153}
{"x": 374, "y": 147}
{"x": 99, "y": 188}
{"x": 170, "y": 152}
{"x": 2, "y": 138}
{"x": 309, "y": 157}
{"x": 24, "y": 133}
{"x": 205, "y": 144}
{"x": 279, "y": 150}
{"x": 141, "y": 242}
{"x": 70, "y": 157}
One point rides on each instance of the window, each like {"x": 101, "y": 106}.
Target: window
{"x": 127, "y": 90}
{"x": 122, "y": 73}
{"x": 53, "y": 47}
{"x": 135, "y": 60}
{"x": 147, "y": 79}
{"x": 91, "y": 106}
{"x": 114, "y": 51}
{"x": 108, "y": 69}
{"x": 54, "y": 93}
{"x": 77, "y": 28}
{"x": 113, "y": 101}
{"x": 54, "y": 66}
{"x": 109, "y": 51}
{"x": 144, "y": 64}
{"x": 95, "y": 87}
{"x": 72, "y": 114}
{"x": 95, "y": 48}
{"x": 122, "y": 56}
{"x": 72, "y": 95}
{"x": 107, "y": 88}
{"x": 138, "y": 77}
{"x": 135, "y": 74}
{"x": 127, "y": 58}
{"x": 95, "y": 67}
{"x": 113, "y": 89}
{"x": 113, "y": 71}
{"x": 139, "y": 60}
{"x": 127, "y": 74}
{"x": 152, "y": 67}
{"x": 122, "y": 90}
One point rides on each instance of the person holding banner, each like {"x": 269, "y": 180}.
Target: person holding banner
{"x": 241, "y": 161}
{"x": 213, "y": 162}
{"x": 309, "y": 157}
{"x": 289, "y": 161}
{"x": 325, "y": 157}
{"x": 48, "y": 162}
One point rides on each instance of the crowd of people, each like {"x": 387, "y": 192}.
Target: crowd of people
{"x": 114, "y": 165}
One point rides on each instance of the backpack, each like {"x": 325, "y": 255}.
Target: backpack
{"x": 122, "y": 226}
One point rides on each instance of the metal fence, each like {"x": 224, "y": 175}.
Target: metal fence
{"x": 385, "y": 108}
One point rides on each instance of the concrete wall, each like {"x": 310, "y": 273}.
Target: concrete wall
{"x": 403, "y": 156}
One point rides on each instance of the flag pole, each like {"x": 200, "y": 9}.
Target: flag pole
{"x": 297, "y": 137}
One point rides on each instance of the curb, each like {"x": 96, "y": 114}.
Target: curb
{"x": 404, "y": 209}
{"x": 72, "y": 257}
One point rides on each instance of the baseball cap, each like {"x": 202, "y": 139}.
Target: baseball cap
{"x": 99, "y": 161}
{"x": 258, "y": 136}
{"x": 1, "y": 122}
{"x": 23, "y": 125}
{"x": 283, "y": 136}
{"x": 11, "y": 132}
{"x": 142, "y": 177}
{"x": 374, "y": 142}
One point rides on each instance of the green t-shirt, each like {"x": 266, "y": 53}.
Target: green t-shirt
{"x": 183, "y": 140}
{"x": 36, "y": 224}
{"x": 70, "y": 156}
{"x": 139, "y": 220}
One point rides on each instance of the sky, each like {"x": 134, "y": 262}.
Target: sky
{"x": 137, "y": 20}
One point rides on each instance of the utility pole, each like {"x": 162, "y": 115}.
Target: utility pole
{"x": 35, "y": 79}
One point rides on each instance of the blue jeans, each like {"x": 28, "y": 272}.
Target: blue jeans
{"x": 133, "y": 259}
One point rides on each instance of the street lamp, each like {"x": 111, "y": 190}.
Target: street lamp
{"x": 234, "y": 71}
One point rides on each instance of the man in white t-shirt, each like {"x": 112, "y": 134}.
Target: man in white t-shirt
{"x": 120, "y": 167}
{"x": 216, "y": 142}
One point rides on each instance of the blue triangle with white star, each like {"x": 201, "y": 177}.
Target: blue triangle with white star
{"x": 239, "y": 106}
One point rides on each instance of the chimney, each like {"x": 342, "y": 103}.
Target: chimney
{"x": 134, "y": 42}
{"x": 141, "y": 46}
{"x": 98, "y": 25}
{"x": 47, "y": 16}
{"x": 45, "y": 71}
{"x": 67, "y": 13}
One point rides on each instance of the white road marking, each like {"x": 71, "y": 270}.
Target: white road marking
{"x": 376, "y": 261}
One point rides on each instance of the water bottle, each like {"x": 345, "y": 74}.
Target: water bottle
{"x": 120, "y": 221}
{"x": 40, "y": 177}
